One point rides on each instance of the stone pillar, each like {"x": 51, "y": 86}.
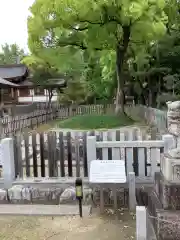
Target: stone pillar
{"x": 169, "y": 183}
{"x": 7, "y": 155}
{"x": 171, "y": 161}
{"x": 173, "y": 120}
{"x": 165, "y": 202}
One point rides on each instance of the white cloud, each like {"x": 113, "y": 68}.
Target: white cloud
{"x": 13, "y": 21}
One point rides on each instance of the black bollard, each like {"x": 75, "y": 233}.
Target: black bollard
{"x": 79, "y": 194}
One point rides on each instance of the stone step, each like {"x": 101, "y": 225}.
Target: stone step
{"x": 43, "y": 210}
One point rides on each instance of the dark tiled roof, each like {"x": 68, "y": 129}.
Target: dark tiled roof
{"x": 13, "y": 71}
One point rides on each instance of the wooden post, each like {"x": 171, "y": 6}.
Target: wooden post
{"x": 132, "y": 191}
{"x": 114, "y": 191}
{"x": 8, "y": 164}
{"x": 101, "y": 199}
{"x": 91, "y": 150}
{"x": 141, "y": 223}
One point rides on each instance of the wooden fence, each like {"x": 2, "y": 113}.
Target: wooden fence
{"x": 66, "y": 154}
{"x": 18, "y": 123}
{"x": 43, "y": 115}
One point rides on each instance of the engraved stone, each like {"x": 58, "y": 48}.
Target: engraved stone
{"x": 173, "y": 117}
{"x": 3, "y": 196}
{"x": 176, "y": 173}
{"x": 46, "y": 195}
{"x": 19, "y": 194}
{"x": 171, "y": 165}
{"x": 69, "y": 195}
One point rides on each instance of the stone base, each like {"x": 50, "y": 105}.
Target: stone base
{"x": 168, "y": 192}
{"x": 165, "y": 222}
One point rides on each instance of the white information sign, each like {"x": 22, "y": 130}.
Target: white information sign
{"x": 111, "y": 171}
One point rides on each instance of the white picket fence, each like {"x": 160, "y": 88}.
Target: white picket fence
{"x": 141, "y": 156}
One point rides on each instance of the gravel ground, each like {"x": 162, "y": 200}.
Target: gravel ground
{"x": 68, "y": 228}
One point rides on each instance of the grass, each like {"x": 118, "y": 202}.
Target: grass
{"x": 96, "y": 122}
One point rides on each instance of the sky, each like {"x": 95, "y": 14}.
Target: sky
{"x": 13, "y": 22}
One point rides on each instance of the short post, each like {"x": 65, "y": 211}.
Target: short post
{"x": 169, "y": 142}
{"x": 91, "y": 151}
{"x": 79, "y": 194}
{"x": 132, "y": 191}
{"x": 8, "y": 164}
{"x": 101, "y": 199}
{"x": 141, "y": 223}
{"x": 114, "y": 191}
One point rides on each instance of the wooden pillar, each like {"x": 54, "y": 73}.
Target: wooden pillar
{"x": 12, "y": 93}
{"x": 132, "y": 191}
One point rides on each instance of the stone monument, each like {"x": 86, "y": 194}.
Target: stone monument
{"x": 164, "y": 200}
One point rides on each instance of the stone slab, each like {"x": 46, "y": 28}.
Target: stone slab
{"x": 43, "y": 210}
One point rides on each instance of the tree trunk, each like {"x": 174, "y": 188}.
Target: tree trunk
{"x": 154, "y": 99}
{"x": 120, "y": 57}
{"x": 120, "y": 99}
{"x": 142, "y": 99}
{"x": 50, "y": 97}
{"x": 149, "y": 98}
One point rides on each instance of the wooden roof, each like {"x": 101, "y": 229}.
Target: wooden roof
{"x": 5, "y": 84}
{"x": 14, "y": 72}
{"x": 17, "y": 75}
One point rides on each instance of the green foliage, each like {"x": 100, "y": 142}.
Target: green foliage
{"x": 10, "y": 53}
{"x": 107, "y": 45}
{"x": 96, "y": 122}
{"x": 93, "y": 24}
{"x": 74, "y": 93}
{"x": 60, "y": 30}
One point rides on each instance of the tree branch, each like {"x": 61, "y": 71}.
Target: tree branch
{"x": 75, "y": 44}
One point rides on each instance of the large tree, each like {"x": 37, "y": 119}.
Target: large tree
{"x": 104, "y": 25}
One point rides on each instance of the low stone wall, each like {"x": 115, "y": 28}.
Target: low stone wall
{"x": 19, "y": 194}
